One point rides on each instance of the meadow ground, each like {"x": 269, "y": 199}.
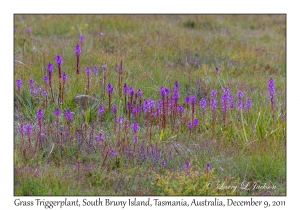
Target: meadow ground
{"x": 209, "y": 115}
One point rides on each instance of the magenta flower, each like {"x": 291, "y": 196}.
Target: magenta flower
{"x": 45, "y": 79}
{"x": 57, "y": 112}
{"x": 100, "y": 109}
{"x": 164, "y": 91}
{"x": 130, "y": 91}
{"x": 135, "y": 127}
{"x": 120, "y": 120}
{"x": 248, "y": 103}
{"x": 28, "y": 29}
{"x": 196, "y": 121}
{"x": 180, "y": 109}
{"x": 110, "y": 88}
{"x": 186, "y": 165}
{"x": 28, "y": 129}
{"x": 18, "y": 83}
{"x": 208, "y": 167}
{"x": 193, "y": 99}
{"x": 271, "y": 88}
{"x": 114, "y": 108}
{"x": 136, "y": 110}
{"x": 189, "y": 125}
{"x": 49, "y": 68}
{"x": 44, "y": 93}
{"x": 77, "y": 50}
{"x": 81, "y": 38}
{"x": 31, "y": 82}
{"x": 95, "y": 69}
{"x": 112, "y": 152}
{"x": 125, "y": 89}
{"x": 64, "y": 77}
{"x": 68, "y": 115}
{"x": 202, "y": 103}
{"x": 148, "y": 104}
{"x": 58, "y": 59}
{"x": 176, "y": 85}
{"x": 99, "y": 137}
{"x": 239, "y": 96}
{"x": 87, "y": 70}
{"x": 139, "y": 92}
{"x": 187, "y": 100}
{"x": 40, "y": 114}
{"x": 175, "y": 94}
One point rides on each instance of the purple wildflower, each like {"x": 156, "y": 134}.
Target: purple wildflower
{"x": 239, "y": 94}
{"x": 120, "y": 120}
{"x": 202, "y": 103}
{"x": 99, "y": 137}
{"x": 45, "y": 79}
{"x": 186, "y": 165}
{"x": 136, "y": 110}
{"x": 148, "y": 104}
{"x": 64, "y": 77}
{"x": 100, "y": 109}
{"x": 28, "y": 129}
{"x": 77, "y": 50}
{"x": 163, "y": 162}
{"x": 57, "y": 112}
{"x": 175, "y": 94}
{"x": 104, "y": 67}
{"x": 207, "y": 167}
{"x": 58, "y": 59}
{"x": 31, "y": 82}
{"x": 112, "y": 152}
{"x": 248, "y": 103}
{"x": 114, "y": 108}
{"x": 18, "y": 83}
{"x": 217, "y": 69}
{"x": 189, "y": 125}
{"x": 40, "y": 114}
{"x": 81, "y": 38}
{"x": 271, "y": 88}
{"x": 130, "y": 91}
{"x": 187, "y": 100}
{"x": 44, "y": 93}
{"x": 139, "y": 92}
{"x": 110, "y": 88}
{"x": 180, "y": 109}
{"x": 125, "y": 89}
{"x": 192, "y": 99}
{"x": 28, "y": 29}
{"x": 95, "y": 69}
{"x": 49, "y": 68}
{"x": 135, "y": 127}
{"x": 87, "y": 70}
{"x": 213, "y": 94}
{"x": 213, "y": 104}
{"x": 176, "y": 85}
{"x": 196, "y": 121}
{"x": 68, "y": 115}
{"x": 164, "y": 91}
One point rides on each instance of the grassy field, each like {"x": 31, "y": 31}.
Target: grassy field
{"x": 166, "y": 133}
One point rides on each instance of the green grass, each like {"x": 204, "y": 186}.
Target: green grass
{"x": 156, "y": 50}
